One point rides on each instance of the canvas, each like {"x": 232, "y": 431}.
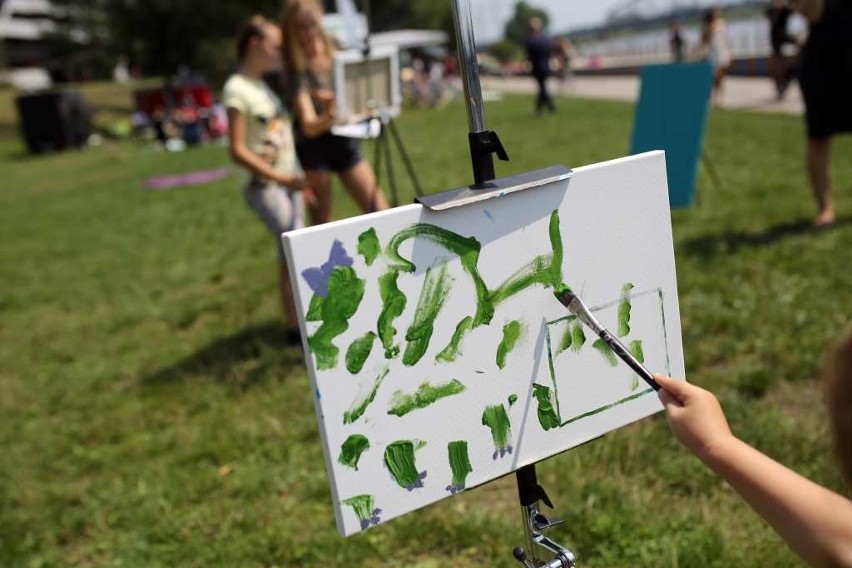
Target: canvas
{"x": 366, "y": 87}
{"x": 671, "y": 115}
{"x": 440, "y": 358}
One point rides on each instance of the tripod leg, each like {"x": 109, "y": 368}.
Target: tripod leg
{"x": 405, "y": 159}
{"x": 391, "y": 178}
{"x": 377, "y": 156}
{"x": 711, "y": 169}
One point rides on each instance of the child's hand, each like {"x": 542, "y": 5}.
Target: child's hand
{"x": 694, "y": 414}
{"x": 324, "y": 96}
{"x": 296, "y": 183}
{"x": 309, "y": 197}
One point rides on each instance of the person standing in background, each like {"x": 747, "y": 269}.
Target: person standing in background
{"x": 825, "y": 78}
{"x": 676, "y": 42}
{"x": 307, "y": 57}
{"x": 778, "y": 13}
{"x": 539, "y": 49}
{"x": 714, "y": 48}
{"x": 261, "y": 141}
{"x": 563, "y": 53}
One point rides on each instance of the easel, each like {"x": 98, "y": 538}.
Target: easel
{"x": 483, "y": 143}
{"x": 382, "y": 146}
{"x": 386, "y": 124}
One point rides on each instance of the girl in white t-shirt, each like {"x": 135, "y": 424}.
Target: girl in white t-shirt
{"x": 261, "y": 141}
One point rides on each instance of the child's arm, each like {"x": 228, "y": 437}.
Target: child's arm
{"x": 815, "y": 522}
{"x": 242, "y": 155}
{"x": 311, "y": 123}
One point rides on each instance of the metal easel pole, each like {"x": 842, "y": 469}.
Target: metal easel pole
{"x": 482, "y": 141}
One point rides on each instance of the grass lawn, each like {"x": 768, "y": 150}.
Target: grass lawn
{"x": 149, "y": 416}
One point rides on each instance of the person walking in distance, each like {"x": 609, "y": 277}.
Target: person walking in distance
{"x": 539, "y": 49}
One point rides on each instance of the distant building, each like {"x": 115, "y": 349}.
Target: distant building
{"x": 35, "y": 35}
{"x": 25, "y": 28}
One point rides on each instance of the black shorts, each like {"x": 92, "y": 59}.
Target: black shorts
{"x": 826, "y": 81}
{"x": 328, "y": 153}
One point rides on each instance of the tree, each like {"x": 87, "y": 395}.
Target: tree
{"x": 516, "y": 27}
{"x": 507, "y": 51}
{"x": 161, "y": 35}
{"x": 401, "y": 14}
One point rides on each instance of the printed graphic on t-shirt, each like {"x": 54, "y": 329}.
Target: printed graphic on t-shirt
{"x": 275, "y": 140}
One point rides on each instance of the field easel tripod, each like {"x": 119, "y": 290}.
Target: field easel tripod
{"x": 483, "y": 144}
{"x": 383, "y": 147}
{"x": 385, "y": 121}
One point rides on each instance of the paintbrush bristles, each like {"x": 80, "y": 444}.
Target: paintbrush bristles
{"x": 576, "y": 306}
{"x": 564, "y": 295}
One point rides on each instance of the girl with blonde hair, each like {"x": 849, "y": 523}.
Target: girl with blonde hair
{"x": 307, "y": 60}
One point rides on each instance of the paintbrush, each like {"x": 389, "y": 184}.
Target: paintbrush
{"x": 576, "y": 306}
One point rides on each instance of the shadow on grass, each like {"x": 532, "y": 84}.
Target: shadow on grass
{"x": 242, "y": 360}
{"x": 708, "y": 246}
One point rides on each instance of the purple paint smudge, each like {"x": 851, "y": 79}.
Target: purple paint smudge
{"x": 317, "y": 277}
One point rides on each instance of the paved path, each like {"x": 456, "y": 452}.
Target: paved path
{"x": 743, "y": 93}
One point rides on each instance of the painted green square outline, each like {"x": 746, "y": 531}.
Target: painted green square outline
{"x": 659, "y": 292}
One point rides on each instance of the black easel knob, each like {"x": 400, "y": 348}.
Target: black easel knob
{"x": 521, "y": 556}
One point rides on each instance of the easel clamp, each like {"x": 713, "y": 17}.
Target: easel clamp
{"x": 494, "y": 188}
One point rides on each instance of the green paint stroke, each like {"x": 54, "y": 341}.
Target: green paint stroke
{"x": 399, "y": 457}
{"x": 368, "y": 246}
{"x": 315, "y": 308}
{"x": 466, "y": 248}
{"x": 578, "y": 336}
{"x": 544, "y": 269}
{"x": 547, "y": 416}
{"x": 562, "y": 287}
{"x": 453, "y": 349}
{"x": 351, "y": 450}
{"x": 363, "y": 506}
{"x": 459, "y": 464}
{"x": 607, "y": 407}
{"x": 497, "y": 419}
{"x": 393, "y": 304}
{"x": 426, "y": 394}
{"x": 624, "y": 310}
{"x": 359, "y": 406}
{"x": 436, "y": 288}
{"x": 607, "y": 352}
{"x": 567, "y": 338}
{"x": 511, "y": 334}
{"x": 513, "y": 398}
{"x": 637, "y": 351}
{"x": 358, "y": 352}
{"x": 345, "y": 291}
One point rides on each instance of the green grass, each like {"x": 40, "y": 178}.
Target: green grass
{"x": 148, "y": 416}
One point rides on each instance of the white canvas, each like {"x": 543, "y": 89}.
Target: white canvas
{"x": 405, "y": 418}
{"x": 366, "y": 87}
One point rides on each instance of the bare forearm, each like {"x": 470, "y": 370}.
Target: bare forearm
{"x": 815, "y": 522}
{"x": 254, "y": 163}
{"x": 318, "y": 126}
{"x": 312, "y": 123}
